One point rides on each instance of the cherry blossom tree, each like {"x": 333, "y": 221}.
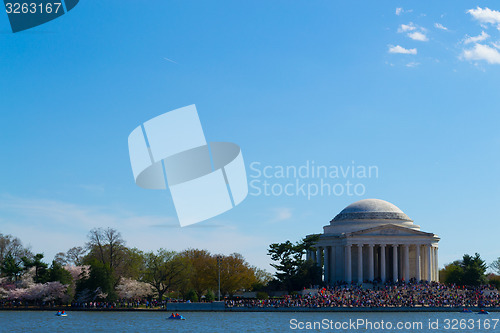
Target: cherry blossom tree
{"x": 132, "y": 289}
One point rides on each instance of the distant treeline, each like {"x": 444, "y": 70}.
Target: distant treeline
{"x": 105, "y": 269}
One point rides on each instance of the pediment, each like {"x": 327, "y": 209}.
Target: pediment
{"x": 389, "y": 230}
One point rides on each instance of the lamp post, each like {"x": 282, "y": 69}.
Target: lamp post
{"x": 219, "y": 259}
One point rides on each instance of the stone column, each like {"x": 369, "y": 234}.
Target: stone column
{"x": 436, "y": 263}
{"x": 395, "y": 262}
{"x": 371, "y": 271}
{"x": 382, "y": 262}
{"x": 432, "y": 263}
{"x": 406, "y": 263}
{"x": 360, "y": 263}
{"x": 327, "y": 264}
{"x": 318, "y": 256}
{"x": 417, "y": 263}
{"x": 428, "y": 262}
{"x": 308, "y": 254}
{"x": 348, "y": 264}
{"x": 333, "y": 271}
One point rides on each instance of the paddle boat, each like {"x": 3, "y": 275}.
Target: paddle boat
{"x": 483, "y": 312}
{"x": 465, "y": 310}
{"x": 176, "y": 317}
{"x": 61, "y": 314}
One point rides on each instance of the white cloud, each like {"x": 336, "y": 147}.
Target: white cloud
{"x": 412, "y": 64}
{"x": 482, "y": 52}
{"x": 400, "y": 11}
{"x": 486, "y": 15}
{"x": 406, "y": 27}
{"x": 418, "y": 36}
{"x": 401, "y": 50}
{"x": 476, "y": 39}
{"x": 282, "y": 214}
{"x": 440, "y": 26}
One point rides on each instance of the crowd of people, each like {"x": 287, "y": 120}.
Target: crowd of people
{"x": 389, "y": 295}
{"x": 421, "y": 294}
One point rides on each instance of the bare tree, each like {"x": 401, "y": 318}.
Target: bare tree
{"x": 107, "y": 244}
{"x": 75, "y": 255}
{"x": 11, "y": 246}
{"x": 60, "y": 258}
{"x": 495, "y": 265}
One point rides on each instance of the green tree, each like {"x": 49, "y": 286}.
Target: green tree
{"x": 202, "y": 267}
{"x": 209, "y": 296}
{"x": 100, "y": 284}
{"x": 474, "y": 270}
{"x": 452, "y": 273}
{"x": 235, "y": 274}
{"x": 11, "y": 267}
{"x": 57, "y": 272}
{"x": 163, "y": 270}
{"x": 40, "y": 267}
{"x": 107, "y": 246}
{"x": 11, "y": 254}
{"x": 192, "y": 296}
{"x": 292, "y": 271}
{"x": 470, "y": 271}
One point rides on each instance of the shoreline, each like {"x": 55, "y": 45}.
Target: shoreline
{"x": 197, "y": 308}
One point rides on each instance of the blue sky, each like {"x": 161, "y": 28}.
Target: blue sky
{"x": 409, "y": 87}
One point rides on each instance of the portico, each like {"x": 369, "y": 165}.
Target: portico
{"x": 372, "y": 240}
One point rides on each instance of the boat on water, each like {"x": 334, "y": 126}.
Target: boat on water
{"x": 176, "y": 317}
{"x": 465, "y": 310}
{"x": 61, "y": 314}
{"x": 483, "y": 312}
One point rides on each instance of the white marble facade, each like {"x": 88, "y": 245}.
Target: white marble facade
{"x": 373, "y": 239}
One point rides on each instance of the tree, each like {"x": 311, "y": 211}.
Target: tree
{"x": 11, "y": 254}
{"x": 58, "y": 273}
{"x": 60, "y": 258}
{"x": 132, "y": 289}
{"x": 495, "y": 265}
{"x": 39, "y": 265}
{"x": 470, "y": 271}
{"x": 291, "y": 268}
{"x": 452, "y": 273}
{"x": 100, "y": 283}
{"x": 163, "y": 270}
{"x": 235, "y": 274}
{"x": 11, "y": 267}
{"x": 474, "y": 270}
{"x": 106, "y": 245}
{"x": 12, "y": 246}
{"x": 75, "y": 255}
{"x": 201, "y": 269}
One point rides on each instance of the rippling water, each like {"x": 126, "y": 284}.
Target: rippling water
{"x": 43, "y": 321}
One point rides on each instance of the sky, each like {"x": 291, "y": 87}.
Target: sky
{"x": 410, "y": 89}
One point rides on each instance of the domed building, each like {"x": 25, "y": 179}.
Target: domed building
{"x": 373, "y": 240}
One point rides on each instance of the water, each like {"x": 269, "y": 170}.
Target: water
{"x": 44, "y": 321}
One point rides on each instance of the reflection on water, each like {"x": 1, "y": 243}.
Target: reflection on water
{"x": 39, "y": 321}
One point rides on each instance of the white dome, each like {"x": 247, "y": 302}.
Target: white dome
{"x": 368, "y": 213}
{"x": 371, "y": 209}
